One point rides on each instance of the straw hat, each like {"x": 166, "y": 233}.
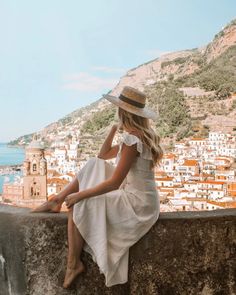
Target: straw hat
{"x": 133, "y": 101}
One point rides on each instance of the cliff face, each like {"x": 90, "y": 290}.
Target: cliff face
{"x": 153, "y": 71}
{"x": 186, "y": 65}
{"x": 185, "y": 253}
{"x": 222, "y": 41}
{"x": 177, "y": 63}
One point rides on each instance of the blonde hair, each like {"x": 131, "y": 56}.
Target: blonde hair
{"x": 147, "y": 135}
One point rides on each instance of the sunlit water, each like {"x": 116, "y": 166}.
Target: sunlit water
{"x": 10, "y": 156}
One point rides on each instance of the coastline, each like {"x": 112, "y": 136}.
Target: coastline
{"x": 11, "y": 163}
{"x": 10, "y": 169}
{"x": 17, "y": 146}
{"x": 9, "y": 172}
{"x": 11, "y": 166}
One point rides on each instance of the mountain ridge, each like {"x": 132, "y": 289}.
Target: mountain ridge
{"x": 172, "y": 71}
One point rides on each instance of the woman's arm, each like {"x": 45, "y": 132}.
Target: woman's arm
{"x": 106, "y": 151}
{"x": 128, "y": 155}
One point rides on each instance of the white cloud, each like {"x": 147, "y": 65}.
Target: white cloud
{"x": 154, "y": 53}
{"x": 108, "y": 69}
{"x": 88, "y": 83}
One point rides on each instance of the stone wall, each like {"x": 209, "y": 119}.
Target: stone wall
{"x": 185, "y": 253}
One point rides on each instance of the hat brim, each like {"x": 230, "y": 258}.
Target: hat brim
{"x": 142, "y": 112}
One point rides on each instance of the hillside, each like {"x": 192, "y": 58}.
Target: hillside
{"x": 193, "y": 90}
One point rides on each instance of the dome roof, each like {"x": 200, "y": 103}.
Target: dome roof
{"x": 35, "y": 145}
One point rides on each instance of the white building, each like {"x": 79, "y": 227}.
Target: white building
{"x": 72, "y": 152}
{"x": 60, "y": 155}
{"x": 167, "y": 163}
{"x": 164, "y": 181}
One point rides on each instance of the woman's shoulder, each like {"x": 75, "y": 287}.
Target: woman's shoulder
{"x": 131, "y": 138}
{"x": 132, "y": 134}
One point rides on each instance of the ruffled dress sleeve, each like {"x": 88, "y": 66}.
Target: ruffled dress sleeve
{"x": 130, "y": 139}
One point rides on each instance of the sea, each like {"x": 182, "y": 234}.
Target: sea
{"x": 10, "y": 156}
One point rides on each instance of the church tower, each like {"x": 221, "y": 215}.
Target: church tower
{"x": 35, "y": 173}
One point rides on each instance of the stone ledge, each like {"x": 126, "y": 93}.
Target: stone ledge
{"x": 185, "y": 253}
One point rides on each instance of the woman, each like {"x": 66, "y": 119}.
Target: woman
{"x": 112, "y": 207}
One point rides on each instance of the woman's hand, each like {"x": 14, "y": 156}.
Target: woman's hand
{"x": 71, "y": 199}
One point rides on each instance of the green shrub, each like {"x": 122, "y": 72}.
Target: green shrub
{"x": 99, "y": 120}
{"x": 219, "y": 75}
{"x": 173, "y": 111}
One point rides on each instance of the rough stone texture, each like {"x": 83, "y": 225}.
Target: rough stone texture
{"x": 185, "y": 253}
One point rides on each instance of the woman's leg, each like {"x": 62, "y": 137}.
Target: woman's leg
{"x": 55, "y": 203}
{"x": 73, "y": 186}
{"x": 70, "y": 188}
{"x": 75, "y": 245}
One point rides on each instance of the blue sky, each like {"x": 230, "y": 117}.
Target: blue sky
{"x": 57, "y": 56}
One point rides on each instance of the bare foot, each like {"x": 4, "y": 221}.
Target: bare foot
{"x": 53, "y": 205}
{"x": 72, "y": 273}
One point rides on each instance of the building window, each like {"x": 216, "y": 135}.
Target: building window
{"x": 34, "y": 167}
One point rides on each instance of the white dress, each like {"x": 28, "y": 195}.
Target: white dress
{"x": 111, "y": 223}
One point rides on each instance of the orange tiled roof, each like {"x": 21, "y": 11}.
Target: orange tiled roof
{"x": 164, "y": 178}
{"x": 57, "y": 181}
{"x": 207, "y": 175}
{"x": 212, "y": 182}
{"x": 190, "y": 163}
{"x": 165, "y": 188}
{"x": 161, "y": 173}
{"x": 214, "y": 189}
{"x": 195, "y": 199}
{"x": 169, "y": 156}
{"x": 222, "y": 168}
{"x": 223, "y": 204}
{"x": 198, "y": 138}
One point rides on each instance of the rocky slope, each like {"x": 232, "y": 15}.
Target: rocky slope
{"x": 202, "y": 79}
{"x": 179, "y": 63}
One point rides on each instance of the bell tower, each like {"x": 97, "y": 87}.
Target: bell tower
{"x": 35, "y": 173}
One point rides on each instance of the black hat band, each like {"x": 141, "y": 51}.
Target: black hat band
{"x": 132, "y": 102}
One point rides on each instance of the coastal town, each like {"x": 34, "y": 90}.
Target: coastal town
{"x": 198, "y": 174}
